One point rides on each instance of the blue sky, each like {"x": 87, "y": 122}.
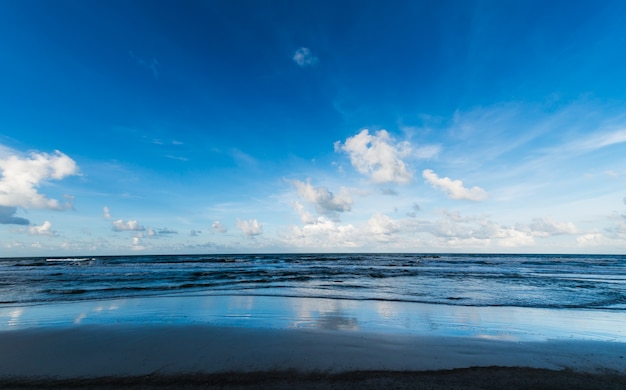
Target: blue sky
{"x": 307, "y": 126}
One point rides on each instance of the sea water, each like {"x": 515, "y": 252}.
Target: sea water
{"x": 449, "y": 293}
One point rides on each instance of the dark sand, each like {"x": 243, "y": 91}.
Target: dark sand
{"x": 466, "y": 378}
{"x": 202, "y": 356}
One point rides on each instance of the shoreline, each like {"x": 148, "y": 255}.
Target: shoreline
{"x": 277, "y": 342}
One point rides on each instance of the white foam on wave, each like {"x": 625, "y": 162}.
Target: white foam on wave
{"x": 72, "y": 259}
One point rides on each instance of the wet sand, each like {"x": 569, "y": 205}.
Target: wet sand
{"x": 278, "y": 342}
{"x": 183, "y": 356}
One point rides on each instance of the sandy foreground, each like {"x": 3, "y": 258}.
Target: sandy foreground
{"x": 201, "y": 356}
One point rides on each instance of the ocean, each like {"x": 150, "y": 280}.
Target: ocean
{"x": 596, "y": 282}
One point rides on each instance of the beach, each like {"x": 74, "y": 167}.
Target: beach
{"x": 148, "y": 343}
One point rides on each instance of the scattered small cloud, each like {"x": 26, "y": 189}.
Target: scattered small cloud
{"x": 129, "y": 226}
{"x": 195, "y": 233}
{"x": 178, "y": 158}
{"x": 218, "y": 227}
{"x": 137, "y": 246}
{"x": 21, "y": 177}
{"x": 414, "y": 210}
{"x": 166, "y": 231}
{"x": 454, "y": 188}
{"x": 250, "y": 228}
{"x": 378, "y": 156}
{"x": 304, "y": 57}
{"x": 7, "y": 217}
{"x": 106, "y": 212}
{"x": 389, "y": 191}
{"x": 44, "y": 230}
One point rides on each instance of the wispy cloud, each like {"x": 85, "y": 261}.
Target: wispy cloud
{"x": 454, "y": 188}
{"x": 304, "y": 57}
{"x": 152, "y": 65}
{"x": 600, "y": 140}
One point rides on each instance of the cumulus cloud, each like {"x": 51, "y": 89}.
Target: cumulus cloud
{"x": 106, "y": 212}
{"x": 378, "y": 156}
{"x": 454, "y": 188}
{"x": 7, "y": 217}
{"x": 217, "y": 226}
{"x": 43, "y": 230}
{"x": 380, "y": 224}
{"x": 326, "y": 203}
{"x": 195, "y": 233}
{"x": 303, "y": 57}
{"x": 250, "y": 228}
{"x": 128, "y": 226}
{"x": 20, "y": 179}
{"x": 323, "y": 233}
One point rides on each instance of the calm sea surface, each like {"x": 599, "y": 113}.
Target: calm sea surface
{"x": 537, "y": 281}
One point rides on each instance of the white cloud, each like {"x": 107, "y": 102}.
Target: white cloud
{"x": 137, "y": 246}
{"x": 326, "y": 203}
{"x": 546, "y": 227}
{"x": 380, "y": 224}
{"x": 454, "y": 188}
{"x": 378, "y": 156}
{"x": 303, "y": 57}
{"x": 43, "y": 230}
{"x": 594, "y": 239}
{"x": 250, "y": 228}
{"x": 106, "y": 212}
{"x": 21, "y": 177}
{"x": 305, "y": 216}
{"x": 601, "y": 140}
{"x": 7, "y": 216}
{"x": 323, "y": 233}
{"x": 128, "y": 226}
{"x": 217, "y": 226}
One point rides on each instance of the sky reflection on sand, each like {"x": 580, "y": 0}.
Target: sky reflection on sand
{"x": 504, "y": 323}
